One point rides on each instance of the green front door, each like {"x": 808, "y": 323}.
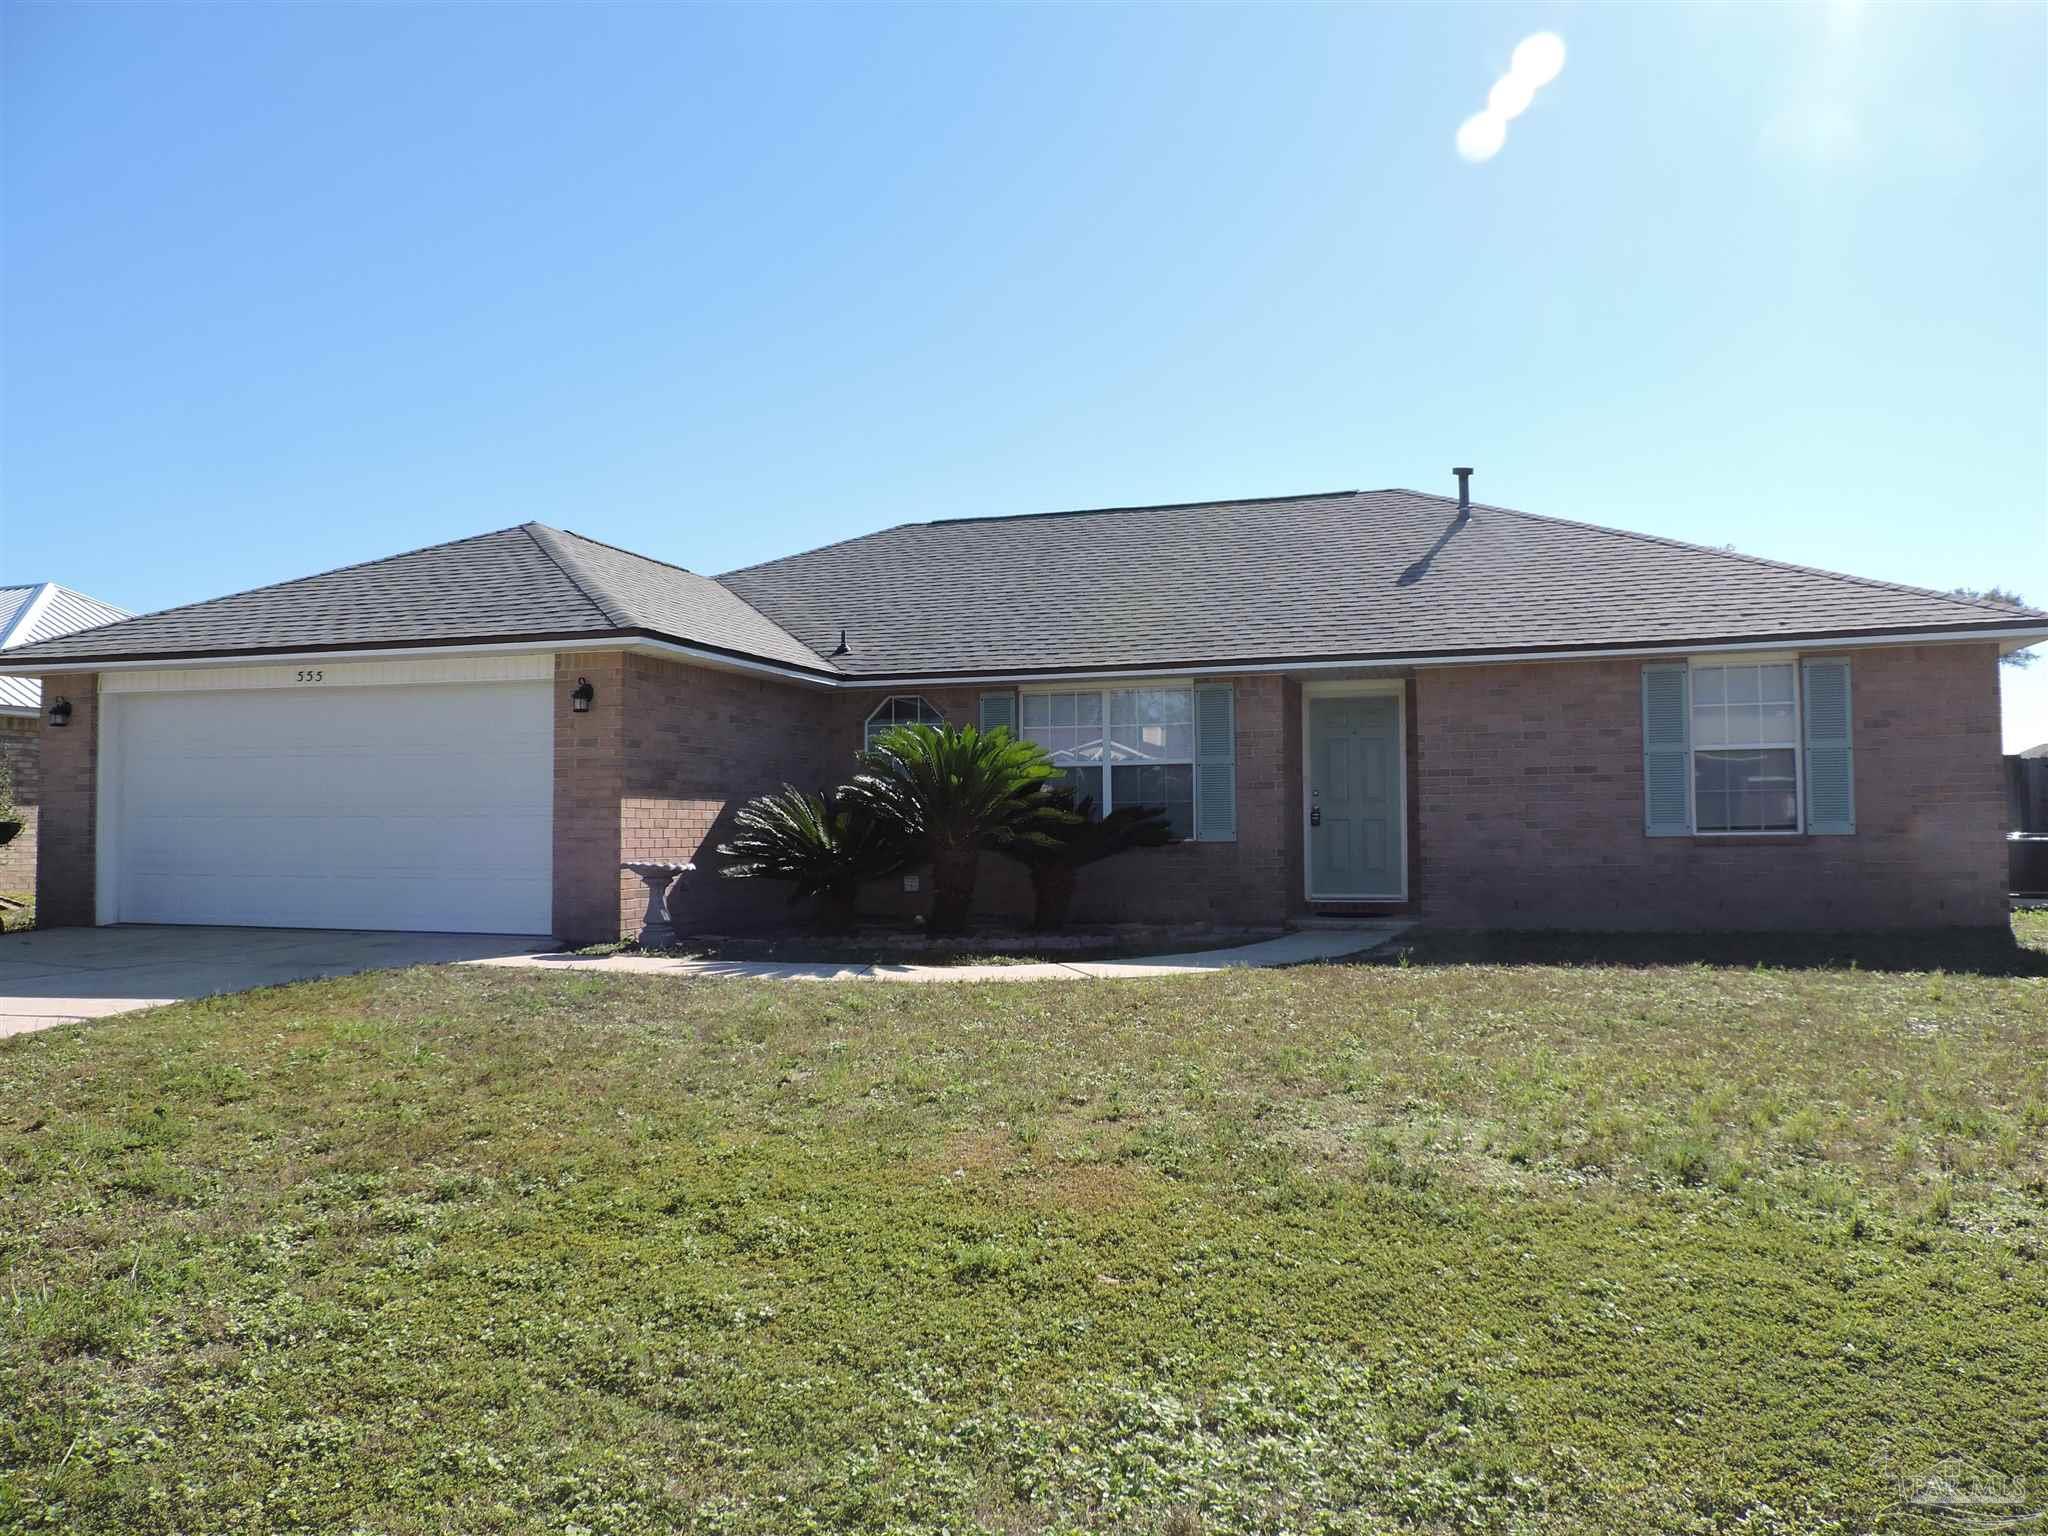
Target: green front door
{"x": 1354, "y": 780}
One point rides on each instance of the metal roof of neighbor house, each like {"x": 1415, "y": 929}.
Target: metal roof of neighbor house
{"x": 529, "y": 582}
{"x": 1340, "y": 575}
{"x": 41, "y": 611}
{"x": 1346, "y": 575}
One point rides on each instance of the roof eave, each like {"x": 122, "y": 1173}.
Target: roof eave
{"x": 2009, "y": 636}
{"x": 565, "y": 640}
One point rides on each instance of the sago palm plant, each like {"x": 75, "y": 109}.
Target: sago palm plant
{"x": 1082, "y": 840}
{"x": 954, "y": 792}
{"x": 824, "y": 845}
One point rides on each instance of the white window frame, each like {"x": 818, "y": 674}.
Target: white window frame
{"x": 1106, "y": 801}
{"x": 1693, "y": 666}
{"x": 867, "y": 726}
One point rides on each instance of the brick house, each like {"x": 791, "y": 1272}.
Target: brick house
{"x": 1354, "y": 702}
{"x": 39, "y": 611}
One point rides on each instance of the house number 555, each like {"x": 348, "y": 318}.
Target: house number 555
{"x": 314, "y": 676}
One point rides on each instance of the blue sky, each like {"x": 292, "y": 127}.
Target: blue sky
{"x": 292, "y": 286}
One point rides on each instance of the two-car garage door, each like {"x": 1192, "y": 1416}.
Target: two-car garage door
{"x": 426, "y": 807}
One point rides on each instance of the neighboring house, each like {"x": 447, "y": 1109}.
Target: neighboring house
{"x": 41, "y": 611}
{"x": 1376, "y": 701}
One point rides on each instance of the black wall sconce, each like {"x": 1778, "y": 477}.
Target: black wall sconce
{"x": 60, "y": 711}
{"x": 581, "y": 695}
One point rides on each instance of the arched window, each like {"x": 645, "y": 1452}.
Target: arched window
{"x": 901, "y": 709}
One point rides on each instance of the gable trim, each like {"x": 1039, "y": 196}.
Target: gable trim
{"x": 25, "y": 616}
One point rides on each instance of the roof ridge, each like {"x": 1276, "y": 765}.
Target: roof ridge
{"x": 2014, "y": 610}
{"x": 670, "y": 565}
{"x": 1160, "y": 506}
{"x": 620, "y": 549}
{"x": 1011, "y": 517}
{"x": 594, "y": 592}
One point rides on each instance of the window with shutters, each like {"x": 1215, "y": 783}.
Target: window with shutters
{"x": 901, "y": 709}
{"x": 1133, "y": 746}
{"x": 1751, "y": 746}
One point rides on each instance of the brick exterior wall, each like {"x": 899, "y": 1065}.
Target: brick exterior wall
{"x": 66, "y": 845}
{"x": 1530, "y": 786}
{"x": 590, "y": 783}
{"x": 21, "y": 751}
{"x": 698, "y": 745}
{"x": 1525, "y": 804}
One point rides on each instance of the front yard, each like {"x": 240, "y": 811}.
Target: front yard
{"x": 1528, "y": 1246}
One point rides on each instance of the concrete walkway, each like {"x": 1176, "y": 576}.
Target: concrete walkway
{"x": 1289, "y": 949}
{"x": 61, "y": 975}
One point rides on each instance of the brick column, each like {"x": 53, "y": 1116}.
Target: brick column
{"x": 590, "y": 780}
{"x": 21, "y": 750}
{"x": 67, "y": 841}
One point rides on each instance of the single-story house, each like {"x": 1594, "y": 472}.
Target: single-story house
{"x": 1354, "y": 702}
{"x": 38, "y": 611}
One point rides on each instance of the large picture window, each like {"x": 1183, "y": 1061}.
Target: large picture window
{"x": 1121, "y": 746}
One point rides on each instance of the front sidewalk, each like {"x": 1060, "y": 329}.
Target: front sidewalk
{"x": 1289, "y": 949}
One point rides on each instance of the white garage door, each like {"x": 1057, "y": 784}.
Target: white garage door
{"x": 424, "y": 807}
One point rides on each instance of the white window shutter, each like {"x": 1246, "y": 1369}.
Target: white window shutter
{"x": 1667, "y": 752}
{"x": 1215, "y": 764}
{"x": 1830, "y": 760}
{"x": 999, "y": 711}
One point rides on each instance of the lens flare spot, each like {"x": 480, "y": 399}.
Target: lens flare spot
{"x": 1510, "y": 97}
{"x": 1538, "y": 59}
{"x": 1481, "y": 135}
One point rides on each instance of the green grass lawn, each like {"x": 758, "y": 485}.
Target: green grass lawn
{"x": 1434, "y": 1246}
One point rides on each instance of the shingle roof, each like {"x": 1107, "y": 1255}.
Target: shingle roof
{"x": 1348, "y": 574}
{"x": 1338, "y": 575}
{"x": 526, "y": 582}
{"x": 649, "y": 594}
{"x": 42, "y": 611}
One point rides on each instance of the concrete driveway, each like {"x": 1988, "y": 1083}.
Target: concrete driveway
{"x": 62, "y": 975}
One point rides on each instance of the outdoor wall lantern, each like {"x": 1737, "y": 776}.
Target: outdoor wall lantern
{"x": 60, "y": 711}
{"x": 581, "y": 695}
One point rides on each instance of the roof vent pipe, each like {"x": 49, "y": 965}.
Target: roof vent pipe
{"x": 1464, "y": 491}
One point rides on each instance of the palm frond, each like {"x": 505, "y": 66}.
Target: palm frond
{"x": 821, "y": 844}
{"x": 1086, "y": 839}
{"x": 960, "y": 787}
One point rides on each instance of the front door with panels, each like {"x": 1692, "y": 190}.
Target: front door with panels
{"x": 1354, "y": 772}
